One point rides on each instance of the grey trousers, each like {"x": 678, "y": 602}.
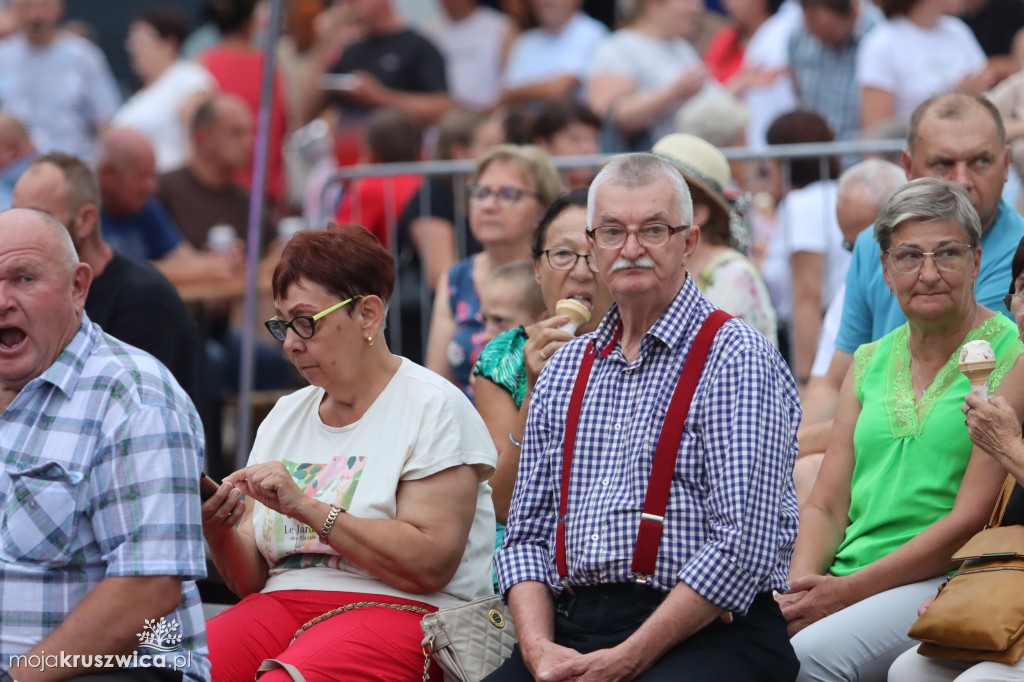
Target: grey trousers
{"x": 859, "y": 643}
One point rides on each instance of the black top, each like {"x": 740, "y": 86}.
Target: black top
{"x": 135, "y": 303}
{"x": 438, "y": 195}
{"x": 403, "y": 61}
{"x": 996, "y": 24}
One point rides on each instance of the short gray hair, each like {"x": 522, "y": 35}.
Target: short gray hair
{"x": 880, "y": 178}
{"x": 926, "y": 200}
{"x": 641, "y": 170}
{"x": 714, "y": 115}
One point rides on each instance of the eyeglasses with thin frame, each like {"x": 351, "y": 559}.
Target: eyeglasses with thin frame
{"x": 304, "y": 326}
{"x": 566, "y": 259}
{"x": 650, "y": 235}
{"x": 1014, "y": 303}
{"x": 908, "y": 259}
{"x": 506, "y": 196}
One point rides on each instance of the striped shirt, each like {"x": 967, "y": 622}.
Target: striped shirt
{"x": 99, "y": 467}
{"x": 732, "y": 515}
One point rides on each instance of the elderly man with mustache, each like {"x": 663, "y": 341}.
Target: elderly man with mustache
{"x": 654, "y": 510}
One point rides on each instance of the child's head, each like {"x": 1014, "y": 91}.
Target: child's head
{"x": 510, "y": 298}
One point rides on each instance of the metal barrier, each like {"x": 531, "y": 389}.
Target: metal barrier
{"x": 411, "y": 294}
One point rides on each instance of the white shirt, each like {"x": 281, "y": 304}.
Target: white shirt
{"x": 419, "y": 425}
{"x": 472, "y": 55}
{"x": 807, "y": 222}
{"x": 538, "y": 55}
{"x": 769, "y": 49}
{"x": 650, "y": 63}
{"x": 827, "y": 336}
{"x": 155, "y": 111}
{"x": 914, "y": 63}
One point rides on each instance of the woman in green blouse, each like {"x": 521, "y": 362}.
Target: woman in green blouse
{"x": 513, "y": 360}
{"x": 901, "y": 486}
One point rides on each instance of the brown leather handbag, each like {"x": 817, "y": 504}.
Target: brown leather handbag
{"x": 979, "y": 613}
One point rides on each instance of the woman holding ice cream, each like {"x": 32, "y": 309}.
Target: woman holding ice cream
{"x": 901, "y": 486}
{"x": 508, "y": 367}
{"x": 994, "y": 426}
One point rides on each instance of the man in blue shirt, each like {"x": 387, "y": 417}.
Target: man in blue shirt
{"x": 586, "y": 603}
{"x": 955, "y": 137}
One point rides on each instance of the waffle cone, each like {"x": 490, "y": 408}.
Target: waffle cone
{"x": 577, "y": 312}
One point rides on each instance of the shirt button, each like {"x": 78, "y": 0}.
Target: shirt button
{"x": 617, "y": 427}
{"x": 594, "y": 537}
{"x": 628, "y": 371}
{"x": 32, "y": 504}
{"x": 605, "y": 482}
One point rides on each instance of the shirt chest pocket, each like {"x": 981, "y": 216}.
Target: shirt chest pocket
{"x": 40, "y": 515}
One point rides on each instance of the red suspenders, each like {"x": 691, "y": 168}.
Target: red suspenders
{"x": 648, "y": 539}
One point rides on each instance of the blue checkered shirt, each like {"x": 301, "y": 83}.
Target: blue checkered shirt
{"x": 824, "y": 75}
{"x": 99, "y": 467}
{"x": 732, "y": 515}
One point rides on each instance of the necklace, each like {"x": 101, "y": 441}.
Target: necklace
{"x": 913, "y": 373}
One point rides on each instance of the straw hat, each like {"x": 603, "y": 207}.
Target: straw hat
{"x": 701, "y": 164}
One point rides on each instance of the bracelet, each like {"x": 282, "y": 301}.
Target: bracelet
{"x": 329, "y": 523}
{"x": 515, "y": 442}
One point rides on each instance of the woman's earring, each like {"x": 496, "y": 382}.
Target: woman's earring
{"x": 369, "y": 340}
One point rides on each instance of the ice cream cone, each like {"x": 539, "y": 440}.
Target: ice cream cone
{"x": 577, "y": 312}
{"x": 977, "y": 360}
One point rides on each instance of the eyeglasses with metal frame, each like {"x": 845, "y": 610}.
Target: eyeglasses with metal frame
{"x": 304, "y": 326}
{"x": 506, "y": 196}
{"x": 908, "y": 259}
{"x": 651, "y": 235}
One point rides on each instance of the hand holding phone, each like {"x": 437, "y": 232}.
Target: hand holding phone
{"x": 207, "y": 487}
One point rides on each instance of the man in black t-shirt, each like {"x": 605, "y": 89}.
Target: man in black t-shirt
{"x": 131, "y": 300}
{"x": 388, "y": 66}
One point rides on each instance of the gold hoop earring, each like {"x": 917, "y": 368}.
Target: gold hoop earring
{"x": 369, "y": 340}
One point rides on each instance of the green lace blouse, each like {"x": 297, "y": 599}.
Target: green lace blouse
{"x": 502, "y": 362}
{"x": 909, "y": 457}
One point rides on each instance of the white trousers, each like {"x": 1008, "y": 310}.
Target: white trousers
{"x": 859, "y": 643}
{"x": 912, "y": 667}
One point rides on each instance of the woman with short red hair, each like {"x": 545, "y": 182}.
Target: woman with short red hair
{"x": 365, "y": 493}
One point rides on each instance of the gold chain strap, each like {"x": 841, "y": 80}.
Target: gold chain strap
{"x": 427, "y": 650}
{"x": 357, "y": 605}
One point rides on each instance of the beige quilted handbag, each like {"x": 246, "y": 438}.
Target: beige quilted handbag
{"x": 470, "y": 641}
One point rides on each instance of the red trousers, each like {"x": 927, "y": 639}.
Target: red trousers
{"x": 368, "y": 643}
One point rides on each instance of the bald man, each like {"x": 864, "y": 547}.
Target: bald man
{"x": 98, "y": 481}
{"x": 136, "y": 224}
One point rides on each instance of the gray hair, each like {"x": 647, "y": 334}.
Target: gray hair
{"x": 926, "y": 200}
{"x": 641, "y": 170}
{"x": 716, "y": 116}
{"x": 880, "y": 178}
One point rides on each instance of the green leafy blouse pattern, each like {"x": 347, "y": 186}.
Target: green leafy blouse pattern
{"x": 502, "y": 362}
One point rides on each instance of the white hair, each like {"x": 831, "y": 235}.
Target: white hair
{"x": 641, "y": 170}
{"x": 880, "y": 178}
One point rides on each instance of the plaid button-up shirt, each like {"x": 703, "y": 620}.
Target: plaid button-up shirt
{"x": 825, "y": 76}
{"x": 99, "y": 468}
{"x": 732, "y": 515}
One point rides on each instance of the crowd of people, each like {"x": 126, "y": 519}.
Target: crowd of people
{"x": 747, "y": 454}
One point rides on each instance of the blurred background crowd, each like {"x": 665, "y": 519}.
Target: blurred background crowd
{"x": 158, "y": 105}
